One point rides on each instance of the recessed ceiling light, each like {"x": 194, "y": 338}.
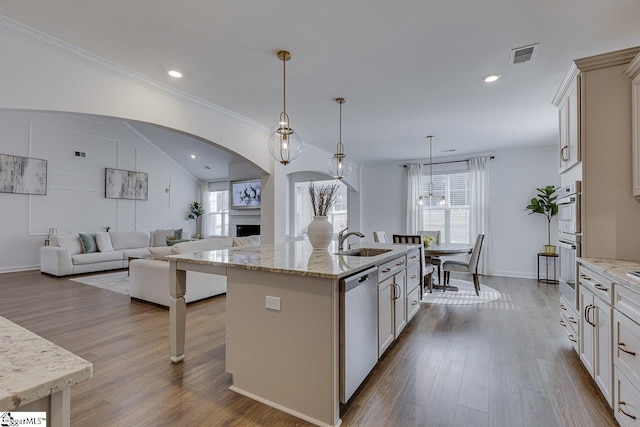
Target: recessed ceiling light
{"x": 491, "y": 78}
{"x": 193, "y": 156}
{"x": 175, "y": 73}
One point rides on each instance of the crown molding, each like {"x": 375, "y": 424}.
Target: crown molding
{"x": 610, "y": 59}
{"x": 634, "y": 67}
{"x": 572, "y": 72}
{"x": 45, "y": 41}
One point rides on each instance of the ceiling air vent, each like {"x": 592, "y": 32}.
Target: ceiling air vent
{"x": 520, "y": 55}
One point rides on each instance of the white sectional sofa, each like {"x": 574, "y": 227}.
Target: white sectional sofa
{"x": 66, "y": 254}
{"x": 149, "y": 278}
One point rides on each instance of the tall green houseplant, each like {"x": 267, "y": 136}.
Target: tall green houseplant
{"x": 545, "y": 204}
{"x": 196, "y": 211}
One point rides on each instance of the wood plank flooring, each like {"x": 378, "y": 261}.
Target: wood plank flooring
{"x": 502, "y": 363}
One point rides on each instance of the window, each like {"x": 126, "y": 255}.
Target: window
{"x": 217, "y": 209}
{"x": 452, "y": 217}
{"x": 303, "y": 211}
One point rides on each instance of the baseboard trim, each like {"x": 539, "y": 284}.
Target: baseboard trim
{"x": 518, "y": 274}
{"x": 19, "y": 268}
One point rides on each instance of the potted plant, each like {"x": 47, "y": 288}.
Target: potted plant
{"x": 545, "y": 204}
{"x": 196, "y": 212}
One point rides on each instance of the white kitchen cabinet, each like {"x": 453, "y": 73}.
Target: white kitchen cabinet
{"x": 633, "y": 71}
{"x": 627, "y": 403}
{"x": 568, "y": 141}
{"x": 626, "y": 356}
{"x": 569, "y": 320}
{"x": 399, "y": 302}
{"x": 385, "y": 315}
{"x": 596, "y": 328}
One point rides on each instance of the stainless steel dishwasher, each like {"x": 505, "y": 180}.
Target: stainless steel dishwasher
{"x": 358, "y": 329}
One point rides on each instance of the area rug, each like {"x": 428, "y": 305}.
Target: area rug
{"x": 114, "y": 282}
{"x": 466, "y": 294}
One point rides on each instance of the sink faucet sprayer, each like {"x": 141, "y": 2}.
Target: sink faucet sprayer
{"x": 342, "y": 237}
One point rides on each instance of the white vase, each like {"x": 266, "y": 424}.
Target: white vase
{"x": 320, "y": 232}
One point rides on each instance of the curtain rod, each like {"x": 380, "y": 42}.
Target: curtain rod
{"x": 452, "y": 161}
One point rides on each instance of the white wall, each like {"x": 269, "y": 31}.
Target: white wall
{"x": 75, "y": 199}
{"x": 514, "y": 175}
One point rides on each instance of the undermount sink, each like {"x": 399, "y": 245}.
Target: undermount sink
{"x": 364, "y": 252}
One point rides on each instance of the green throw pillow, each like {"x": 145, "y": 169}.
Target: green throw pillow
{"x": 88, "y": 243}
{"x": 171, "y": 242}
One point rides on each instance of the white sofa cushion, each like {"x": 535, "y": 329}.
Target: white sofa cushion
{"x": 246, "y": 241}
{"x": 71, "y": 242}
{"x": 94, "y": 257}
{"x": 160, "y": 252}
{"x": 201, "y": 245}
{"x": 159, "y": 237}
{"x": 130, "y": 239}
{"x": 136, "y": 252}
{"x": 103, "y": 241}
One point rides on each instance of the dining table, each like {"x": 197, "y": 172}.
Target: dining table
{"x": 446, "y": 249}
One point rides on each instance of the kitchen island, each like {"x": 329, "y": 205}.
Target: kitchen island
{"x": 283, "y": 311}
{"x": 36, "y": 375}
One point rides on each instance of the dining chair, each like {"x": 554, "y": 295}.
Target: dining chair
{"x": 466, "y": 267}
{"x": 380, "y": 236}
{"x": 416, "y": 239}
{"x": 433, "y": 260}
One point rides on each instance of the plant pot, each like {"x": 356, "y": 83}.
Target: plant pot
{"x": 549, "y": 249}
{"x": 320, "y": 232}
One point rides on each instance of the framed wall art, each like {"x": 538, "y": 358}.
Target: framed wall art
{"x": 23, "y": 175}
{"x": 245, "y": 194}
{"x": 129, "y": 185}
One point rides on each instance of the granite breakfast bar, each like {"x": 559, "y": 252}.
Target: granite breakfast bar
{"x": 37, "y": 375}
{"x": 286, "y": 354}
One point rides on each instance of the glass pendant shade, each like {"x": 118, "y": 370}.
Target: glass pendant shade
{"x": 339, "y": 166}
{"x": 285, "y": 144}
{"x": 422, "y": 200}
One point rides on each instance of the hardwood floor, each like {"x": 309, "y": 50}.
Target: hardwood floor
{"x": 502, "y": 363}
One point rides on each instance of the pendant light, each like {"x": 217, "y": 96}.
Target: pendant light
{"x": 285, "y": 144}
{"x": 339, "y": 166}
{"x": 422, "y": 199}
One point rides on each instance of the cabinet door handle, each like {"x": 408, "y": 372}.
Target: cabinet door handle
{"x": 562, "y": 157}
{"x": 572, "y": 338}
{"x": 400, "y": 263}
{"x": 562, "y": 307}
{"x": 591, "y": 310}
{"x": 584, "y": 276}
{"x": 601, "y": 288}
{"x": 622, "y": 347}
{"x": 620, "y": 405}
{"x": 413, "y": 276}
{"x": 562, "y": 323}
{"x": 386, "y": 270}
{"x": 414, "y": 302}
{"x": 573, "y": 320}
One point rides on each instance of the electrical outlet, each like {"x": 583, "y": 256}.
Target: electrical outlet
{"x": 272, "y": 303}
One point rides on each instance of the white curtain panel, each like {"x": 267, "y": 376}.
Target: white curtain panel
{"x": 414, "y": 191}
{"x": 204, "y": 219}
{"x": 479, "y": 215}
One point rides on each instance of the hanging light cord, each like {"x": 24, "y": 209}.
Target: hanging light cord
{"x": 284, "y": 86}
{"x": 430, "y": 166}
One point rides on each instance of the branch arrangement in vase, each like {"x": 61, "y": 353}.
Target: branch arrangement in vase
{"x": 323, "y": 198}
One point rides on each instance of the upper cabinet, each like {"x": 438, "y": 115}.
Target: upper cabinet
{"x": 568, "y": 130}
{"x": 633, "y": 71}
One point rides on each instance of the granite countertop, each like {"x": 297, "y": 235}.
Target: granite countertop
{"x": 32, "y": 367}
{"x": 295, "y": 258}
{"x": 615, "y": 270}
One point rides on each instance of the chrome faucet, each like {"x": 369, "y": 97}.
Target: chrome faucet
{"x": 342, "y": 237}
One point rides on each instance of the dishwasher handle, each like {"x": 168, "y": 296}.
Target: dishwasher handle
{"x": 358, "y": 279}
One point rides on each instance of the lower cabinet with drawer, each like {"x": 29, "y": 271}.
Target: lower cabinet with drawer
{"x": 626, "y": 356}
{"x": 596, "y": 328}
{"x": 569, "y": 319}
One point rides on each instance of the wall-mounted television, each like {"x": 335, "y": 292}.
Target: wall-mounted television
{"x": 245, "y": 194}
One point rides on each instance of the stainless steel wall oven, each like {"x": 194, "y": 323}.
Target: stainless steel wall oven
{"x": 569, "y": 238}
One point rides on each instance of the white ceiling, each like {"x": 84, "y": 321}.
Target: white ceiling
{"x": 407, "y": 68}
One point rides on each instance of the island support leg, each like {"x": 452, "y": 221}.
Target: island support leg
{"x": 177, "y": 311}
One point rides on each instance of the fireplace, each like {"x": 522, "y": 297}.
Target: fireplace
{"x": 243, "y": 230}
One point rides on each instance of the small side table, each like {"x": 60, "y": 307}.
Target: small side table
{"x": 553, "y": 279}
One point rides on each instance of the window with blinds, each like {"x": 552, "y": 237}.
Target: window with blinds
{"x": 451, "y": 218}
{"x": 217, "y": 209}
